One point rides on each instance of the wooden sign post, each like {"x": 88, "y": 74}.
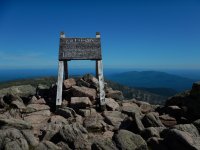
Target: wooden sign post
{"x": 79, "y": 49}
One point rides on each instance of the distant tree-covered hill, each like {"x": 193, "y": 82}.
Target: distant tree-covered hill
{"x": 152, "y": 79}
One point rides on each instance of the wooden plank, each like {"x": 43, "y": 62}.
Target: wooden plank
{"x": 60, "y": 83}
{"x": 66, "y": 69}
{"x": 101, "y": 83}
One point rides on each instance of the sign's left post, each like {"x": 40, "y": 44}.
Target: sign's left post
{"x": 60, "y": 78}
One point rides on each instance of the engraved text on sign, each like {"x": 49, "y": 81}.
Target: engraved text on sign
{"x": 80, "y": 49}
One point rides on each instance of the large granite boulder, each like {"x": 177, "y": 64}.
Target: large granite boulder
{"x": 127, "y": 140}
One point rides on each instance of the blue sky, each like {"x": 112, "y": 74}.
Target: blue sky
{"x": 135, "y": 33}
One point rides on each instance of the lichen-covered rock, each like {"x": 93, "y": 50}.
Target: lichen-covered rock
{"x": 14, "y": 123}
{"x": 94, "y": 122}
{"x": 75, "y": 135}
{"x": 12, "y": 139}
{"x": 129, "y": 141}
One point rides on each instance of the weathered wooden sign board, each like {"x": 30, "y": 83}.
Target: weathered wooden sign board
{"x": 80, "y": 49}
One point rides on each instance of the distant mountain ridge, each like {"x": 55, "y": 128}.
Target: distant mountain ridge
{"x": 152, "y": 79}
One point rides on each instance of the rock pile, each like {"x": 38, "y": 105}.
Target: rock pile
{"x": 28, "y": 120}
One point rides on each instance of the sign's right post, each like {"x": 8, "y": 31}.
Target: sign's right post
{"x": 99, "y": 75}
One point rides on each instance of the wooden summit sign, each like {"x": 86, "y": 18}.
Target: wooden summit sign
{"x": 80, "y": 49}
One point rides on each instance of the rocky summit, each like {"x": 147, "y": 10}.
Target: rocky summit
{"x": 29, "y": 119}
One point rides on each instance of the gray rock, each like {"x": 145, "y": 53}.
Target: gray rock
{"x": 190, "y": 128}
{"x": 66, "y": 112}
{"x": 114, "y": 118}
{"x": 32, "y": 141}
{"x": 50, "y": 131}
{"x": 76, "y": 135}
{"x": 18, "y": 104}
{"x": 138, "y": 125}
{"x": 152, "y": 120}
{"x": 80, "y": 102}
{"x": 68, "y": 83}
{"x": 127, "y": 140}
{"x": 94, "y": 123}
{"x": 115, "y": 94}
{"x": 130, "y": 108}
{"x": 47, "y": 145}
{"x": 21, "y": 90}
{"x": 167, "y": 120}
{"x": 177, "y": 139}
{"x": 91, "y": 80}
{"x": 12, "y": 139}
{"x": 84, "y": 92}
{"x": 196, "y": 123}
{"x": 56, "y": 119}
{"x": 34, "y": 100}
{"x": 150, "y": 132}
{"x": 63, "y": 145}
{"x": 111, "y": 104}
{"x": 87, "y": 112}
{"x": 15, "y": 123}
{"x": 37, "y": 107}
{"x": 81, "y": 82}
{"x": 156, "y": 143}
{"x": 104, "y": 144}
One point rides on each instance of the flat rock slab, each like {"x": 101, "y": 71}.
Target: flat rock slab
{"x": 12, "y": 139}
{"x": 36, "y": 119}
{"x": 21, "y": 90}
{"x": 16, "y": 123}
{"x": 130, "y": 108}
{"x": 167, "y": 120}
{"x": 114, "y": 118}
{"x": 80, "y": 102}
{"x": 111, "y": 104}
{"x": 84, "y": 92}
{"x": 38, "y": 107}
